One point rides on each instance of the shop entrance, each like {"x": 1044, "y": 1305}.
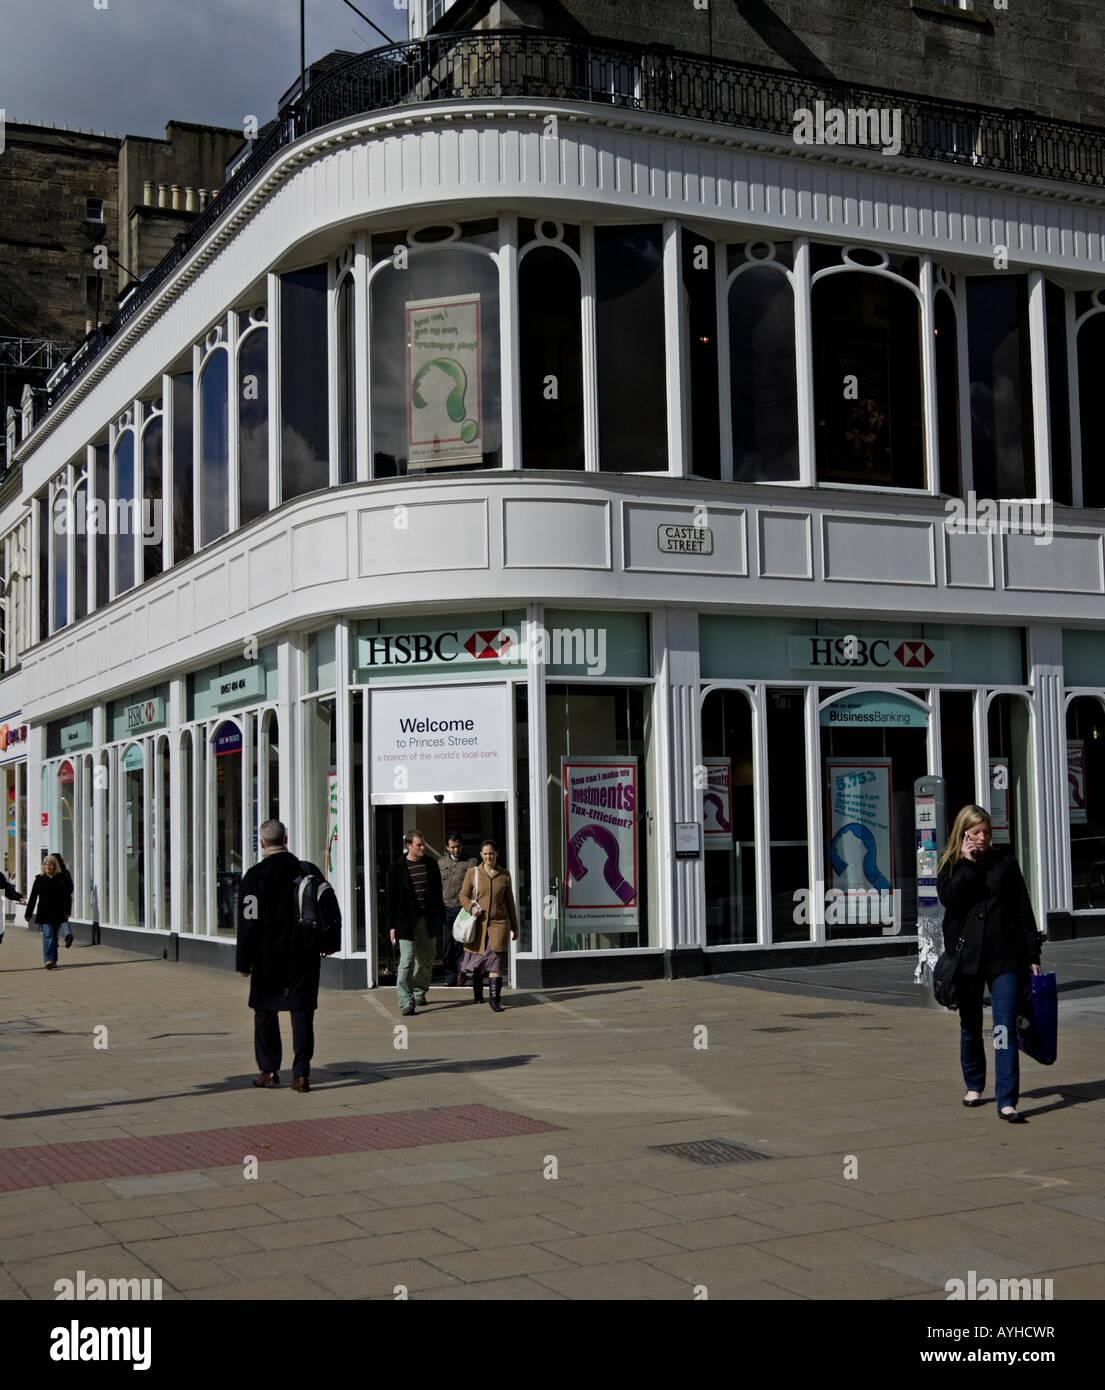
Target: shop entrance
{"x": 874, "y": 745}
{"x": 473, "y": 821}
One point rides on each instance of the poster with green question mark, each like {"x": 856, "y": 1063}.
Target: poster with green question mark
{"x": 444, "y": 390}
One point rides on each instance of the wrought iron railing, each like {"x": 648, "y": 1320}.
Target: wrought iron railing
{"x": 506, "y": 64}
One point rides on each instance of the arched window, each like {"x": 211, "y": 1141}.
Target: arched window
{"x": 867, "y": 373}
{"x": 1091, "y": 373}
{"x": 133, "y": 816}
{"x": 61, "y": 525}
{"x": 1086, "y": 800}
{"x": 304, "y": 382}
{"x": 551, "y": 332}
{"x": 999, "y": 359}
{"x": 763, "y": 388}
{"x": 947, "y": 385}
{"x": 347, "y": 379}
{"x": 151, "y": 519}
{"x": 80, "y": 547}
{"x": 214, "y": 511}
{"x": 253, "y": 424}
{"x": 728, "y": 818}
{"x": 121, "y": 519}
{"x": 227, "y": 748}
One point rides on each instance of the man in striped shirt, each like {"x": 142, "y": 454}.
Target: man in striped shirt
{"x": 415, "y": 913}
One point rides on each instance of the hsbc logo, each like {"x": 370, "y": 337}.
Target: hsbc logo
{"x": 144, "y": 713}
{"x": 890, "y": 654}
{"x": 489, "y": 646}
{"x": 432, "y": 648}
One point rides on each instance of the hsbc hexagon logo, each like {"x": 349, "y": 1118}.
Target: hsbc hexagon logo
{"x": 488, "y": 646}
{"x": 914, "y": 656}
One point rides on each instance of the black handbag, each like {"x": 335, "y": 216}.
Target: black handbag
{"x": 945, "y": 977}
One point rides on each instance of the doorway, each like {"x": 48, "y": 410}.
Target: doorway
{"x": 473, "y": 821}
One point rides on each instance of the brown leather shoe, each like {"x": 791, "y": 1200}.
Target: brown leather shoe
{"x": 267, "y": 1078}
{"x": 301, "y": 1084}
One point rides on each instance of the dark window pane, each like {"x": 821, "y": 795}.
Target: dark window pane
{"x": 304, "y": 388}
{"x": 61, "y": 522}
{"x": 214, "y": 447}
{"x": 103, "y": 511}
{"x": 347, "y": 382}
{"x": 123, "y": 517}
{"x": 552, "y": 360}
{"x": 1001, "y": 386}
{"x": 151, "y": 498}
{"x": 182, "y": 467}
{"x": 80, "y": 559}
{"x": 43, "y": 509}
{"x": 1058, "y": 393}
{"x": 632, "y": 379}
{"x": 253, "y": 426}
{"x": 729, "y": 839}
{"x": 789, "y": 829}
{"x": 426, "y": 398}
{"x": 947, "y": 397}
{"x": 1091, "y": 373}
{"x": 700, "y": 331}
{"x": 867, "y": 381}
{"x": 763, "y": 382}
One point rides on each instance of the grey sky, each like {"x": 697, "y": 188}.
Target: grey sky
{"x": 136, "y": 64}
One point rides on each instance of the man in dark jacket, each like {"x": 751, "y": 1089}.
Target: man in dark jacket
{"x": 281, "y": 963}
{"x": 415, "y": 913}
{"x": 453, "y": 867}
{"x": 11, "y": 892}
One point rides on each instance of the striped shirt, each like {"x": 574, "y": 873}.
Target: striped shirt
{"x": 419, "y": 871}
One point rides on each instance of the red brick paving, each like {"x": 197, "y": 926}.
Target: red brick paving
{"x": 47, "y": 1165}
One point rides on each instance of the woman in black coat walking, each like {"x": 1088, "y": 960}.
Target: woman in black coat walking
{"x": 989, "y": 919}
{"x": 52, "y": 897}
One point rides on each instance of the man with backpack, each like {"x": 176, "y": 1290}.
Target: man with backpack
{"x": 288, "y": 918}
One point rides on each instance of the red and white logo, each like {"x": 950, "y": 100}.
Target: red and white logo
{"x": 914, "y": 655}
{"x": 488, "y": 646}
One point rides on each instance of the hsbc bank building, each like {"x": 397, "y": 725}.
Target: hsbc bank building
{"x": 478, "y": 461}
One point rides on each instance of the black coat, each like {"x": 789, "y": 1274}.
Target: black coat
{"x": 987, "y": 904}
{"x": 283, "y": 971}
{"x": 9, "y": 889}
{"x": 51, "y": 899}
{"x": 402, "y": 904}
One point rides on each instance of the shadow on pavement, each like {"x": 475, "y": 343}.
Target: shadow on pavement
{"x": 1078, "y": 1093}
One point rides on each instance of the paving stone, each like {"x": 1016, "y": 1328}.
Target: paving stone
{"x": 475, "y": 1266}
{"x": 494, "y": 1290}
{"x": 824, "y": 1248}
{"x": 316, "y": 1230}
{"x": 403, "y": 1245}
{"x": 158, "y": 1183}
{"x": 382, "y": 1281}
{"x": 261, "y": 1290}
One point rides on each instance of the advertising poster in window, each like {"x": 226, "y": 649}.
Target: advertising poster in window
{"x": 330, "y": 860}
{"x": 1076, "y": 781}
{"x": 600, "y": 844}
{"x": 860, "y": 832}
{"x": 999, "y": 799}
{"x": 444, "y": 391}
{"x": 717, "y": 802}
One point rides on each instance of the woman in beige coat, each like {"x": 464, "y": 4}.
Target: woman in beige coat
{"x": 488, "y": 896}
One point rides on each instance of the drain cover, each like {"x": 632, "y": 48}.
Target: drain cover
{"x": 711, "y": 1152}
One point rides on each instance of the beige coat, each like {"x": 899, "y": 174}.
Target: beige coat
{"x": 498, "y": 920}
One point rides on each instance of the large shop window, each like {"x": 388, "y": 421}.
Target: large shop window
{"x": 80, "y": 549}
{"x": 601, "y": 746}
{"x": 320, "y": 731}
{"x": 699, "y": 256}
{"x": 102, "y": 478}
{"x": 787, "y": 814}
{"x": 227, "y": 751}
{"x": 762, "y": 377}
{"x": 947, "y": 393}
{"x": 435, "y": 358}
{"x": 551, "y": 355}
{"x": 1091, "y": 373}
{"x": 1058, "y": 386}
{"x": 188, "y": 819}
{"x": 253, "y": 423}
{"x": 66, "y": 786}
{"x": 133, "y": 831}
{"x": 1086, "y": 800}
{"x": 44, "y": 520}
{"x": 125, "y": 512}
{"x": 632, "y": 377}
{"x": 1010, "y": 738}
{"x": 347, "y": 380}
{"x": 867, "y": 379}
{"x": 957, "y": 750}
{"x": 1001, "y": 386}
{"x": 304, "y": 393}
{"x": 161, "y": 836}
{"x": 729, "y": 831}
{"x": 214, "y": 507}
{"x": 105, "y": 768}
{"x": 874, "y": 745}
{"x": 183, "y": 501}
{"x": 59, "y": 524}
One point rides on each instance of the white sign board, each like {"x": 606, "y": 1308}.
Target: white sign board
{"x": 432, "y": 740}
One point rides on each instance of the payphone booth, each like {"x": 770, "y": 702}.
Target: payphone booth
{"x": 929, "y": 818}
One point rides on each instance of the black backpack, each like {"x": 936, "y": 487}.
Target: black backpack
{"x": 316, "y": 914}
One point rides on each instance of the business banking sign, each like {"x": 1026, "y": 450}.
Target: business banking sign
{"x": 453, "y": 740}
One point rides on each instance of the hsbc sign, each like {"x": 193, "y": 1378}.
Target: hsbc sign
{"x": 891, "y": 655}
{"x": 144, "y": 714}
{"x": 464, "y": 647}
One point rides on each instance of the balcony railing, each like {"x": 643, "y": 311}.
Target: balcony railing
{"x": 506, "y": 64}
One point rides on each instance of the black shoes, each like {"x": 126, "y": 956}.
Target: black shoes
{"x": 972, "y": 1104}
{"x": 495, "y": 985}
{"x": 407, "y": 1013}
{"x": 267, "y": 1079}
{"x": 69, "y": 940}
{"x": 1012, "y": 1117}
{"x": 477, "y": 986}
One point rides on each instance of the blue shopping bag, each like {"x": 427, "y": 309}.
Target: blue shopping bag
{"x": 1038, "y": 1020}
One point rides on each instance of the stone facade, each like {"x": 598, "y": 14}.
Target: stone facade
{"x": 1044, "y": 57}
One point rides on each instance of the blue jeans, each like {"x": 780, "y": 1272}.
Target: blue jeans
{"x": 1004, "y": 993}
{"x": 50, "y": 933}
{"x": 416, "y": 961}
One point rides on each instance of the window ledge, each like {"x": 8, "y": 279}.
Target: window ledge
{"x": 947, "y": 11}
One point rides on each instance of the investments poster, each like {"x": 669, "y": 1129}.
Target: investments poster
{"x": 600, "y": 844}
{"x": 1076, "y": 781}
{"x": 717, "y": 802}
{"x": 861, "y": 839}
{"x": 444, "y": 394}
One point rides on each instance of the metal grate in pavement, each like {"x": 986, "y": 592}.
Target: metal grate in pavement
{"x": 46, "y": 1165}
{"x": 711, "y": 1152}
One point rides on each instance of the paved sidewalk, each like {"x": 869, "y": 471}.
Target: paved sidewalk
{"x": 519, "y": 1156}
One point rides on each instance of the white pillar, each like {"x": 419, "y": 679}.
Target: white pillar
{"x": 674, "y": 335}
{"x": 803, "y": 356}
{"x": 682, "y": 882}
{"x": 816, "y": 860}
{"x": 344, "y": 886}
{"x": 510, "y": 344}
{"x": 1041, "y": 399}
{"x": 761, "y": 815}
{"x": 590, "y": 350}
{"x": 928, "y": 376}
{"x": 1052, "y": 838}
{"x": 537, "y": 791}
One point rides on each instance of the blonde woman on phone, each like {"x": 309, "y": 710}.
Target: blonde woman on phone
{"x": 987, "y": 908}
